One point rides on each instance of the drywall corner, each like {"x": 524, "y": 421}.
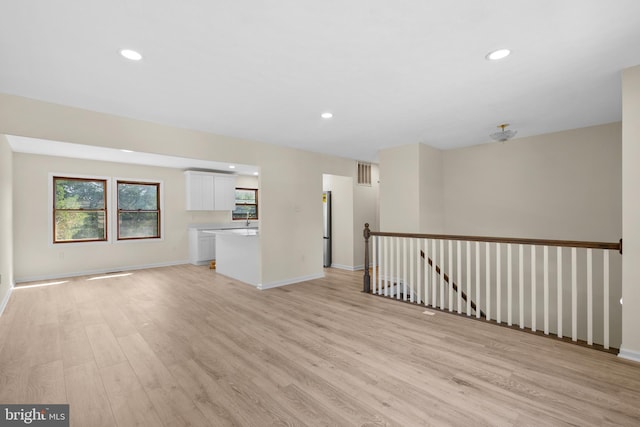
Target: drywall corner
{"x": 6, "y": 221}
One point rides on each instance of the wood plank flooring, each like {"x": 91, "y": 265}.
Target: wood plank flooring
{"x": 184, "y": 346}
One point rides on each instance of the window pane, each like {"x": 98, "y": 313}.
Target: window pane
{"x": 132, "y": 197}
{"x": 79, "y": 194}
{"x": 245, "y": 197}
{"x": 138, "y": 224}
{"x": 241, "y": 212}
{"x": 79, "y": 226}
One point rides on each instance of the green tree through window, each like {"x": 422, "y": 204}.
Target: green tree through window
{"x": 246, "y": 204}
{"x": 79, "y": 210}
{"x": 138, "y": 210}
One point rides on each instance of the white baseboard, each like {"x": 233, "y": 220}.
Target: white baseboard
{"x": 290, "y": 281}
{"x": 5, "y": 300}
{"x": 348, "y": 267}
{"x": 98, "y": 271}
{"x": 629, "y": 354}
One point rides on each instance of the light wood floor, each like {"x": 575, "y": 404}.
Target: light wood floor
{"x": 182, "y": 345}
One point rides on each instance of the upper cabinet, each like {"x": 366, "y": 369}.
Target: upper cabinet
{"x": 224, "y": 193}
{"x": 208, "y": 191}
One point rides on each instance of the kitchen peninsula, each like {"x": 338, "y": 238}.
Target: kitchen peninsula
{"x": 238, "y": 254}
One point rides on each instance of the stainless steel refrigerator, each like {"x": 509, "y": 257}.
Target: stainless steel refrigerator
{"x": 326, "y": 236}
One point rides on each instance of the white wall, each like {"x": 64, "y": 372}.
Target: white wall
{"x": 564, "y": 185}
{"x": 6, "y": 221}
{"x": 36, "y": 257}
{"x": 290, "y": 179}
{"x": 631, "y": 213}
{"x": 411, "y": 189}
{"x": 430, "y": 190}
{"x": 342, "y": 205}
{"x": 399, "y": 189}
{"x": 246, "y": 181}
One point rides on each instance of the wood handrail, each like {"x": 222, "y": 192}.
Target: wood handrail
{"x": 543, "y": 242}
{"x": 367, "y": 233}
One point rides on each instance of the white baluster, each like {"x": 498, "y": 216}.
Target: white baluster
{"x": 478, "y": 310}
{"x": 380, "y": 270}
{"x": 398, "y": 268}
{"x": 468, "y": 278}
{"x": 509, "y": 287}
{"x": 533, "y": 289}
{"x": 574, "y": 295}
{"x": 545, "y": 252}
{"x": 459, "y": 276}
{"x": 392, "y": 270}
{"x": 426, "y": 272}
{"x": 373, "y": 265}
{"x": 498, "y": 285}
{"x": 387, "y": 266}
{"x": 605, "y": 297}
{"x": 418, "y": 285}
{"x": 449, "y": 272}
{"x": 412, "y": 283}
{"x": 487, "y": 249}
{"x": 521, "y": 284}
{"x": 404, "y": 269}
{"x": 559, "y": 281}
{"x": 442, "y": 284}
{"x": 434, "y": 275}
{"x": 590, "y": 296}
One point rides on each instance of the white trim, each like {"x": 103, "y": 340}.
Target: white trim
{"x": 629, "y": 354}
{"x": 348, "y": 267}
{"x": 5, "y": 300}
{"x": 290, "y": 281}
{"x": 99, "y": 271}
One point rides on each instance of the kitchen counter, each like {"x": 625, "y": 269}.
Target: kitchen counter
{"x": 238, "y": 254}
{"x": 234, "y": 231}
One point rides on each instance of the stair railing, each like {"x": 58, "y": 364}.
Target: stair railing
{"x": 572, "y": 294}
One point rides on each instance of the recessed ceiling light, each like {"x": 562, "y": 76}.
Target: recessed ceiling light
{"x": 498, "y": 54}
{"x": 232, "y": 167}
{"x": 131, "y": 54}
{"x": 127, "y": 151}
{"x": 326, "y": 115}
{"x": 256, "y": 173}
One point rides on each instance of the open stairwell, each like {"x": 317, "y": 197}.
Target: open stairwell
{"x": 564, "y": 289}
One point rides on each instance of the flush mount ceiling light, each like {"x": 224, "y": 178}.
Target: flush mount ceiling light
{"x": 498, "y": 54}
{"x": 326, "y": 115}
{"x": 503, "y": 134}
{"x": 232, "y": 167}
{"x": 131, "y": 54}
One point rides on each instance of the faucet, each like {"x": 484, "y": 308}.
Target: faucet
{"x": 248, "y": 222}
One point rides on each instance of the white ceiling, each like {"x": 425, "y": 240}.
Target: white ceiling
{"x": 392, "y": 72}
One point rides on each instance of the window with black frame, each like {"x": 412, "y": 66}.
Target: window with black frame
{"x": 246, "y": 204}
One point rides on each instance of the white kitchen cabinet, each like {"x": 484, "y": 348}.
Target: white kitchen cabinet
{"x": 202, "y": 247}
{"x": 224, "y": 193}
{"x": 208, "y": 191}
